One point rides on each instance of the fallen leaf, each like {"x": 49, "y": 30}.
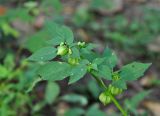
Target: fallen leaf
{"x": 153, "y": 106}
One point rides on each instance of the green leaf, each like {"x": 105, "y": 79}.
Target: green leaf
{"x": 75, "y": 53}
{"x": 120, "y": 84}
{"x": 36, "y": 41}
{"x": 99, "y": 61}
{"x": 111, "y": 58}
{"x": 93, "y": 88}
{"x": 52, "y": 91}
{"x": 105, "y": 72}
{"x": 9, "y": 62}
{"x": 59, "y": 33}
{"x": 132, "y": 104}
{"x": 55, "y": 41}
{"x": 44, "y": 54}
{"x": 3, "y": 71}
{"x": 75, "y": 98}
{"x": 77, "y": 73}
{"x": 74, "y": 112}
{"x": 37, "y": 80}
{"x": 95, "y": 111}
{"x": 133, "y": 71}
{"x": 54, "y": 71}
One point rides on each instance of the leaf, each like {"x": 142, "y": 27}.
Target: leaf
{"x": 120, "y": 84}
{"x": 54, "y": 71}
{"x": 75, "y": 98}
{"x": 37, "y": 80}
{"x": 52, "y": 91}
{"x": 36, "y": 41}
{"x": 3, "y": 71}
{"x": 105, "y": 72}
{"x": 77, "y": 73}
{"x": 44, "y": 54}
{"x": 132, "y": 104}
{"x": 74, "y": 112}
{"x": 59, "y": 33}
{"x": 111, "y": 58}
{"x": 55, "y": 41}
{"x": 95, "y": 111}
{"x": 133, "y": 71}
{"x": 93, "y": 88}
{"x": 75, "y": 53}
{"x": 99, "y": 61}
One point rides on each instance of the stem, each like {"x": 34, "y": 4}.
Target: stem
{"x": 101, "y": 84}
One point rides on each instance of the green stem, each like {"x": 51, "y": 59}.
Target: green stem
{"x": 101, "y": 84}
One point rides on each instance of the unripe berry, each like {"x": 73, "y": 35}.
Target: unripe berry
{"x": 62, "y": 50}
{"x": 73, "y": 61}
{"x": 105, "y": 99}
{"x": 114, "y": 90}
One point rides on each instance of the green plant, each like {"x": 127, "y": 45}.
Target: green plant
{"x": 74, "y": 60}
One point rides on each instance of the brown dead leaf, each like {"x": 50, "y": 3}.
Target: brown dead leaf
{"x": 155, "y": 45}
{"x": 147, "y": 80}
{"x": 39, "y": 22}
{"x": 2, "y": 10}
{"x": 153, "y": 106}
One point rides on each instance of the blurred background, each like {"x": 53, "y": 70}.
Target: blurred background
{"x": 130, "y": 27}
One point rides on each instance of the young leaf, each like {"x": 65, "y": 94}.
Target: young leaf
{"x": 52, "y": 91}
{"x": 54, "y": 71}
{"x": 111, "y": 58}
{"x": 44, "y": 54}
{"x": 133, "y": 71}
{"x": 77, "y": 73}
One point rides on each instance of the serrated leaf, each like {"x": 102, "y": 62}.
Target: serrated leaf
{"x": 54, "y": 71}
{"x": 99, "y": 61}
{"x": 77, "y": 73}
{"x": 59, "y": 33}
{"x": 44, "y": 54}
{"x": 133, "y": 71}
{"x": 52, "y": 91}
{"x": 55, "y": 41}
{"x": 111, "y": 58}
{"x": 105, "y": 72}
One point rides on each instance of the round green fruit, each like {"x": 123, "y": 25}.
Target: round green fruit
{"x": 114, "y": 90}
{"x": 105, "y": 99}
{"x": 62, "y": 50}
{"x": 73, "y": 61}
